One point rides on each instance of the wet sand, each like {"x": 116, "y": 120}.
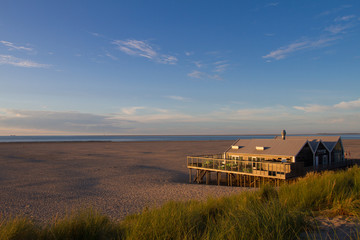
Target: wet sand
{"x": 41, "y": 180}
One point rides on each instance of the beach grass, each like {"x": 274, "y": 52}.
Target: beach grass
{"x": 18, "y": 228}
{"x": 286, "y": 212}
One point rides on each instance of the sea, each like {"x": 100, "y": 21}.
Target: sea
{"x": 148, "y": 138}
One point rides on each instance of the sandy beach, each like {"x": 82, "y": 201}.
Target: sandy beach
{"x": 41, "y": 180}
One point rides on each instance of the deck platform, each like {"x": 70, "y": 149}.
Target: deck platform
{"x": 245, "y": 173}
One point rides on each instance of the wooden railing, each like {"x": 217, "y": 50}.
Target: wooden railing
{"x": 261, "y": 168}
{"x": 270, "y": 169}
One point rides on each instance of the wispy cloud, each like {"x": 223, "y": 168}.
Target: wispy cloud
{"x": 272, "y": 4}
{"x": 111, "y": 56}
{"x": 143, "y": 49}
{"x": 12, "y": 46}
{"x": 338, "y": 28}
{"x": 203, "y": 75}
{"x": 220, "y": 62}
{"x": 131, "y": 110}
{"x": 334, "y": 10}
{"x": 198, "y": 64}
{"x": 313, "y": 108}
{"x": 167, "y": 59}
{"x": 189, "y": 53}
{"x": 345, "y": 18}
{"x": 59, "y": 122}
{"x": 220, "y": 66}
{"x": 328, "y": 36}
{"x": 348, "y": 105}
{"x": 209, "y": 69}
{"x": 216, "y": 77}
{"x": 18, "y": 62}
{"x": 178, "y": 98}
{"x": 322, "y": 108}
{"x": 297, "y": 46}
{"x": 269, "y": 34}
{"x": 262, "y": 114}
{"x": 151, "y": 115}
{"x": 135, "y": 47}
{"x": 95, "y": 34}
{"x": 196, "y": 74}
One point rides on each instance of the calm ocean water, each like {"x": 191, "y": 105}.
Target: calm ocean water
{"x": 143, "y": 138}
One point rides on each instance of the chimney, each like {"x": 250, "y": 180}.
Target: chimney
{"x": 283, "y": 134}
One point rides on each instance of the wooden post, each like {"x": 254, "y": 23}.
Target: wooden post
{"x": 208, "y": 177}
{"x": 189, "y": 175}
{"x": 218, "y": 177}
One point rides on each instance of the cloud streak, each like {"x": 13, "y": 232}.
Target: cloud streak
{"x": 178, "y": 98}
{"x": 344, "y": 18}
{"x": 131, "y": 110}
{"x": 111, "y": 56}
{"x": 338, "y": 28}
{"x": 12, "y": 46}
{"x": 311, "y": 108}
{"x": 348, "y": 105}
{"x": 300, "y": 45}
{"x": 196, "y": 74}
{"x": 333, "y": 33}
{"x": 67, "y": 122}
{"x": 220, "y": 66}
{"x": 209, "y": 70}
{"x": 202, "y": 75}
{"x": 143, "y": 49}
{"x": 272, "y": 4}
{"x": 18, "y": 62}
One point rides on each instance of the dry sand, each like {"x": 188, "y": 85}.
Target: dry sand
{"x": 44, "y": 179}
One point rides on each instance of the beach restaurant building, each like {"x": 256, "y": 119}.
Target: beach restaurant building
{"x": 249, "y": 162}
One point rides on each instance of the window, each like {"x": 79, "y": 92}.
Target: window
{"x": 272, "y": 173}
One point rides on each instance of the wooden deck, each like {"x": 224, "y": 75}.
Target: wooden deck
{"x": 247, "y": 173}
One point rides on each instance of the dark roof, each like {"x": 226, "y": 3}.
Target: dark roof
{"x": 328, "y": 141}
{"x": 289, "y": 147}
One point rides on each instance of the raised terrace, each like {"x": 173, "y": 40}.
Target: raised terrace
{"x": 252, "y": 162}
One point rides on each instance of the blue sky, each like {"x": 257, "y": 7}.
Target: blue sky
{"x": 179, "y": 67}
